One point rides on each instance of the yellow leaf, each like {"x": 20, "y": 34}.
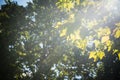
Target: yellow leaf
{"x": 72, "y": 37}
{"x": 60, "y": 0}
{"x": 93, "y": 55}
{"x": 97, "y": 42}
{"x": 109, "y": 48}
{"x": 109, "y": 44}
{"x": 119, "y": 55}
{"x": 96, "y": 54}
{"x": 77, "y": 34}
{"x": 95, "y": 58}
{"x": 118, "y": 24}
{"x": 81, "y": 44}
{"x": 58, "y": 24}
{"x": 117, "y": 34}
{"x": 114, "y": 51}
{"x": 21, "y": 53}
{"x": 64, "y": 5}
{"x": 91, "y": 3}
{"x": 77, "y": 2}
{"x": 107, "y": 31}
{"x": 71, "y": 16}
{"x": 70, "y": 5}
{"x": 104, "y": 39}
{"x": 63, "y": 32}
{"x": 84, "y": 3}
{"x": 103, "y": 32}
{"x": 100, "y": 54}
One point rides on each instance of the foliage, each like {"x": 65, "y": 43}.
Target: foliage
{"x": 60, "y": 39}
{"x": 11, "y": 23}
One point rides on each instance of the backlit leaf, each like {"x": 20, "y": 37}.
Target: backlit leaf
{"x": 114, "y": 51}
{"x": 97, "y": 42}
{"x": 77, "y": 2}
{"x": 92, "y": 23}
{"x": 100, "y": 54}
{"x": 103, "y": 32}
{"x": 117, "y": 34}
{"x": 58, "y": 24}
{"x": 63, "y": 32}
{"x": 81, "y": 44}
{"x": 93, "y": 55}
{"x": 119, "y": 55}
{"x": 21, "y": 53}
{"x": 104, "y": 39}
{"x": 118, "y": 24}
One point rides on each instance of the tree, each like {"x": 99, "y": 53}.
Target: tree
{"x": 12, "y": 20}
{"x": 61, "y": 39}
{"x": 95, "y": 34}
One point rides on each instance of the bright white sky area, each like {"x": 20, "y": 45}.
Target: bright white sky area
{"x": 20, "y": 2}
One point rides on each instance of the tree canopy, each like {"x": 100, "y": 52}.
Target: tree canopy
{"x": 60, "y": 40}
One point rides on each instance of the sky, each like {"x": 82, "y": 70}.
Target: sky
{"x": 20, "y": 2}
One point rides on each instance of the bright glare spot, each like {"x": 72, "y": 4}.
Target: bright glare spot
{"x": 41, "y": 45}
{"x": 23, "y": 74}
{"x": 78, "y": 77}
